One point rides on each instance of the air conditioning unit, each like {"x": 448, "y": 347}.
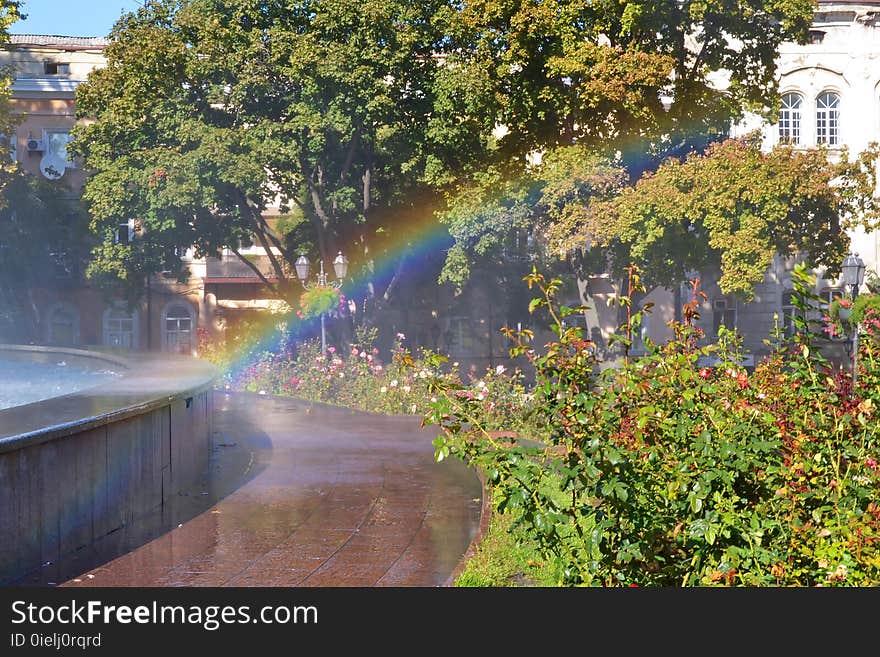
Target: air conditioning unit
{"x": 34, "y": 144}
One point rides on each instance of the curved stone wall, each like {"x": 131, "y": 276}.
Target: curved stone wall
{"x": 78, "y": 467}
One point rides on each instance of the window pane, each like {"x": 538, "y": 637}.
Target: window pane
{"x": 790, "y": 119}
{"x": 828, "y": 119}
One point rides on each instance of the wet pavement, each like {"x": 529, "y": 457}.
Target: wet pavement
{"x": 299, "y": 494}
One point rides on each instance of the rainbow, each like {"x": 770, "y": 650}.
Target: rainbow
{"x": 414, "y": 246}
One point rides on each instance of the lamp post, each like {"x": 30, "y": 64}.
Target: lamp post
{"x": 340, "y": 268}
{"x": 853, "y": 273}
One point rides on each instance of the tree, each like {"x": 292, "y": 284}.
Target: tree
{"x": 730, "y": 209}
{"x": 496, "y": 222}
{"x": 40, "y": 229}
{"x": 43, "y": 241}
{"x": 631, "y": 82}
{"x": 209, "y": 109}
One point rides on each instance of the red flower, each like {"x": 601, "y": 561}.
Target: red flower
{"x": 705, "y": 373}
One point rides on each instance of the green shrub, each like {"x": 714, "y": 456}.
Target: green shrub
{"x": 669, "y": 472}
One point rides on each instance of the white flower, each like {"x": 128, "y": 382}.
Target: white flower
{"x": 433, "y": 400}
{"x": 482, "y": 385}
{"x": 393, "y": 383}
{"x": 262, "y": 392}
{"x": 406, "y": 388}
{"x": 363, "y": 354}
{"x": 412, "y": 409}
{"x": 342, "y": 375}
{"x": 455, "y": 364}
{"x": 423, "y": 374}
{"x": 401, "y": 336}
{"x": 500, "y": 369}
{"x": 383, "y": 389}
{"x": 481, "y": 395}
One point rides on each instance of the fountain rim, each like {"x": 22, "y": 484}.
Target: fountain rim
{"x": 144, "y": 386}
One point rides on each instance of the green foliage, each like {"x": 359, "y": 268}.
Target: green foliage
{"x": 208, "y": 109}
{"x": 671, "y": 472}
{"x": 318, "y": 300}
{"x": 732, "y": 209}
{"x": 504, "y": 557}
{"x": 623, "y": 84}
{"x": 562, "y": 72}
{"x": 482, "y": 216}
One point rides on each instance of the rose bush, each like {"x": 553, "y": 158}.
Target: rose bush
{"x": 665, "y": 472}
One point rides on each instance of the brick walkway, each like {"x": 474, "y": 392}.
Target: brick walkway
{"x": 304, "y": 495}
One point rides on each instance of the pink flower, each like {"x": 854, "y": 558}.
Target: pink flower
{"x": 332, "y": 350}
{"x": 705, "y": 373}
{"x": 354, "y": 351}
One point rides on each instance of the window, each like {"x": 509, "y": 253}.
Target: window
{"x": 828, "y": 119}
{"x": 641, "y": 334}
{"x": 177, "y": 328}
{"x": 120, "y": 328}
{"x": 789, "y": 312}
{"x": 790, "y": 119}
{"x": 63, "y": 325}
{"x": 817, "y": 36}
{"x": 458, "y": 338}
{"x": 828, "y": 296}
{"x": 56, "y": 68}
{"x": 723, "y": 314}
{"x": 124, "y": 232}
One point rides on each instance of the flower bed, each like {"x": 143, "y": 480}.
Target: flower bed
{"x": 666, "y": 473}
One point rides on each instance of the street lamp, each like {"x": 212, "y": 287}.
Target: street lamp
{"x": 340, "y": 267}
{"x": 853, "y": 273}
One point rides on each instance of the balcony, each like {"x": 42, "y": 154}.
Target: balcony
{"x": 230, "y": 269}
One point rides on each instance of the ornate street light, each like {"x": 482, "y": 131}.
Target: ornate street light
{"x": 853, "y": 274}
{"x": 340, "y": 267}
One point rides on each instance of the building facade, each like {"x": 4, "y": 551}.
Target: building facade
{"x": 70, "y": 311}
{"x": 830, "y": 96}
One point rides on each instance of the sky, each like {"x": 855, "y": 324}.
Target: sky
{"x": 71, "y": 17}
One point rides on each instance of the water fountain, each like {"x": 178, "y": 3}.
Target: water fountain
{"x": 90, "y": 442}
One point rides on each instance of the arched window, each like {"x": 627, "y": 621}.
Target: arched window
{"x": 120, "y": 328}
{"x": 790, "y": 118}
{"x": 178, "y": 328}
{"x": 63, "y": 325}
{"x": 828, "y": 118}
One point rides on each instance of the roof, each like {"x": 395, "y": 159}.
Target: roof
{"x": 58, "y": 41}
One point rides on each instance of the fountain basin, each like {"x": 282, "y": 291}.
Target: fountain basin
{"x": 78, "y": 466}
